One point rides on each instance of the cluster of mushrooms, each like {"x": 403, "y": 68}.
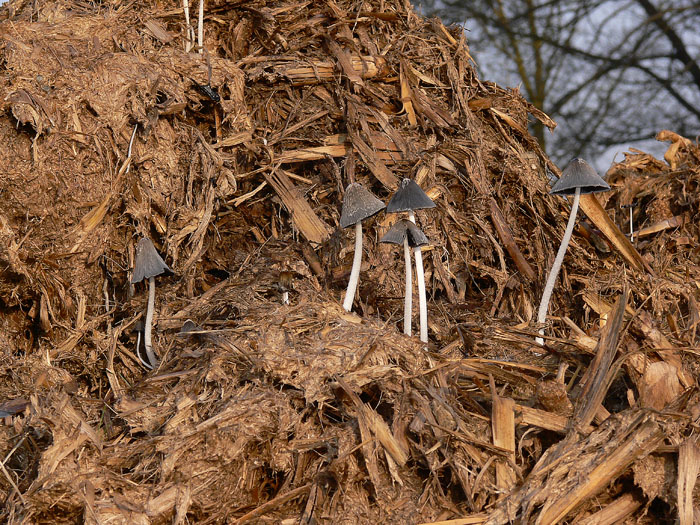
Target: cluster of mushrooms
{"x": 358, "y": 205}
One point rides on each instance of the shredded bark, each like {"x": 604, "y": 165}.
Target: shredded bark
{"x": 266, "y": 412}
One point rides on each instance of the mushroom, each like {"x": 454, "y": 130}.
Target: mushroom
{"x": 191, "y": 329}
{"x": 358, "y": 204}
{"x": 577, "y": 178}
{"x": 148, "y": 265}
{"x": 284, "y": 284}
{"x": 410, "y": 197}
{"x": 406, "y": 233}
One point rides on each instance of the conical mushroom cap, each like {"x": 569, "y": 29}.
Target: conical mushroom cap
{"x": 148, "y": 263}
{"x": 398, "y": 232}
{"x": 579, "y": 174}
{"x": 409, "y": 197}
{"x": 358, "y": 204}
{"x": 416, "y": 237}
{"x": 189, "y": 326}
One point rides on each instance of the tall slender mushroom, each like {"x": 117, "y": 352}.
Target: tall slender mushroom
{"x": 577, "y": 178}
{"x": 358, "y": 204}
{"x": 410, "y": 197}
{"x": 148, "y": 265}
{"x": 408, "y": 234}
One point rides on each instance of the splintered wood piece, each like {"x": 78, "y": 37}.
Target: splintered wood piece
{"x": 370, "y": 419}
{"x": 594, "y": 211}
{"x": 476, "y": 519}
{"x": 503, "y": 428}
{"x": 374, "y": 163}
{"x": 522, "y": 131}
{"x": 444, "y": 278}
{"x": 406, "y": 99}
{"x": 234, "y": 139}
{"x": 316, "y": 153}
{"x": 541, "y": 418}
{"x": 677, "y": 142}
{"x": 583, "y": 341}
{"x": 552, "y": 395}
{"x": 608, "y": 467}
{"x": 274, "y": 503}
{"x": 506, "y": 237}
{"x": 600, "y": 373}
{"x": 615, "y": 512}
{"x": 425, "y": 105}
{"x": 601, "y": 306}
{"x": 309, "y": 224}
{"x": 644, "y": 323}
{"x": 385, "y": 146}
{"x": 383, "y": 434}
{"x": 313, "y": 502}
{"x": 345, "y": 63}
{"x": 318, "y": 71}
{"x": 688, "y": 468}
{"x": 339, "y": 145}
{"x": 504, "y": 233}
{"x": 159, "y": 31}
{"x": 92, "y": 218}
{"x": 672, "y": 222}
{"x": 242, "y": 198}
{"x": 658, "y": 386}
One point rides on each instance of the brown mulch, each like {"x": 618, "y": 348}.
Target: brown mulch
{"x": 305, "y": 413}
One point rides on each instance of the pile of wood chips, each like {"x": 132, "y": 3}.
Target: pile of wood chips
{"x": 305, "y": 413}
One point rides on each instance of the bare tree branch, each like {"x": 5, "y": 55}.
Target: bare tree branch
{"x": 591, "y": 65}
{"x": 674, "y": 38}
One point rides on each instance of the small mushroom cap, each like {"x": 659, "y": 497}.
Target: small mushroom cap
{"x": 148, "y": 263}
{"x": 409, "y": 197}
{"x": 189, "y": 326}
{"x": 579, "y": 174}
{"x": 285, "y": 281}
{"x": 400, "y": 230}
{"x": 358, "y": 204}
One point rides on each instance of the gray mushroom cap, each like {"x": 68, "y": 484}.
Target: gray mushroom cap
{"x": 189, "y": 326}
{"x": 409, "y": 197}
{"x": 148, "y": 263}
{"x": 579, "y": 174}
{"x": 358, "y": 204}
{"x": 402, "y": 229}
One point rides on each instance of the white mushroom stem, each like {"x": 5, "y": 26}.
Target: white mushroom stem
{"x": 138, "y": 351}
{"x": 188, "y": 28}
{"x": 355, "y": 272}
{"x": 200, "y": 27}
{"x": 549, "y": 286}
{"x": 149, "y": 321}
{"x": 285, "y": 297}
{"x": 420, "y": 278}
{"x": 408, "y": 300}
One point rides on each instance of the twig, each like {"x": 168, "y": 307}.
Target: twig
{"x": 275, "y": 502}
{"x": 7, "y": 475}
